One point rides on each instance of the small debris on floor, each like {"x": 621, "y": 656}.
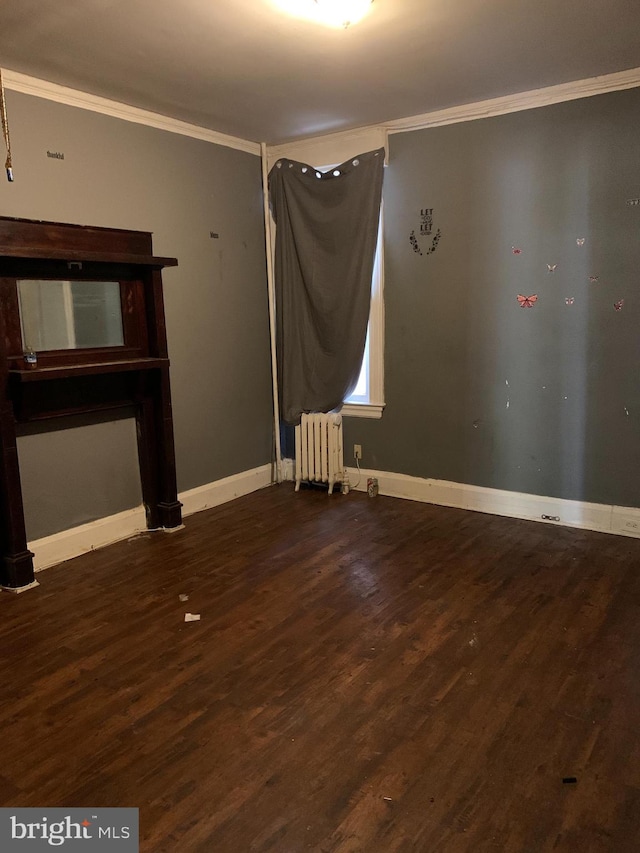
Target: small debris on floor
{"x": 191, "y": 617}
{"x": 183, "y": 597}
{"x": 569, "y": 780}
{"x": 388, "y": 799}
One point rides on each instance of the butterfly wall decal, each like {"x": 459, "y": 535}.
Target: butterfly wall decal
{"x": 527, "y": 301}
{"x": 618, "y": 305}
{"x": 515, "y": 250}
{"x": 551, "y": 267}
{"x": 580, "y": 241}
{"x": 594, "y": 278}
{"x": 569, "y": 300}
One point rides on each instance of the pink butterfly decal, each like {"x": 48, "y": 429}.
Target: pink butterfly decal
{"x": 551, "y": 267}
{"x": 515, "y": 250}
{"x": 527, "y": 301}
{"x": 618, "y": 305}
{"x": 569, "y": 300}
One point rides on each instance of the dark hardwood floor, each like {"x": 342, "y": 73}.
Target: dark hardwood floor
{"x": 368, "y": 675}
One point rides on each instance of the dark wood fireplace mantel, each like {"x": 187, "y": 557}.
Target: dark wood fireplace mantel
{"x": 80, "y": 379}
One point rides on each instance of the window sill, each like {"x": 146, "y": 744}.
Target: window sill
{"x": 362, "y": 410}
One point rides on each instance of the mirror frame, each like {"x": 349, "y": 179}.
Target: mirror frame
{"x": 132, "y": 301}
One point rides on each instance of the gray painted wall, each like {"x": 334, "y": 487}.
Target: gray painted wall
{"x": 455, "y": 333}
{"x": 125, "y": 175}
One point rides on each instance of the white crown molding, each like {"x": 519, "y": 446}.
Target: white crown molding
{"x": 74, "y": 98}
{"x": 521, "y": 101}
{"x": 604, "y": 518}
{"x": 67, "y": 544}
{"x": 337, "y": 147}
{"x": 328, "y": 147}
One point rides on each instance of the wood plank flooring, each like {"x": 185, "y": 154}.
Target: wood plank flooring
{"x": 368, "y": 676}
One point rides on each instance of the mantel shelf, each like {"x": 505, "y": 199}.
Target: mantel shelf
{"x": 79, "y": 256}
{"x": 64, "y": 371}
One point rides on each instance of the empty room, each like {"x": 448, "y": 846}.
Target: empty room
{"x": 320, "y": 424}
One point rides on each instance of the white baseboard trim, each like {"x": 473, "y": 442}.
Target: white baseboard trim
{"x": 221, "y": 491}
{"x": 54, "y": 549}
{"x": 620, "y": 520}
{"x": 16, "y": 590}
{"x": 86, "y": 537}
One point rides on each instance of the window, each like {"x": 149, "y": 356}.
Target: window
{"x": 367, "y": 399}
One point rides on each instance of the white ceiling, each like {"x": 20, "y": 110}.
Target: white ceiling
{"x": 244, "y": 68}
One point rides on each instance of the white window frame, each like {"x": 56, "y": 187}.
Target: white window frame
{"x": 371, "y": 404}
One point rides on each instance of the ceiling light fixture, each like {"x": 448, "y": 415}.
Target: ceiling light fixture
{"x": 342, "y": 13}
{"x": 331, "y": 13}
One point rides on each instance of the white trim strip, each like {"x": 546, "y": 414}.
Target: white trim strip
{"x": 615, "y": 82}
{"x": 520, "y": 101}
{"x": 271, "y": 293}
{"x": 221, "y": 491}
{"x": 18, "y": 589}
{"x": 623, "y": 521}
{"x": 605, "y": 518}
{"x": 87, "y": 537}
{"x": 67, "y": 544}
{"x": 75, "y": 98}
{"x": 362, "y": 410}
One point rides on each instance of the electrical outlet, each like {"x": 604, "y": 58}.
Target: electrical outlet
{"x": 357, "y": 451}
{"x": 627, "y": 524}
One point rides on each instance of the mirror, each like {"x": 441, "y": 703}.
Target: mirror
{"x": 70, "y": 314}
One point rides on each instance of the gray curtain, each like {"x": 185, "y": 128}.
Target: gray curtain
{"x": 326, "y": 233}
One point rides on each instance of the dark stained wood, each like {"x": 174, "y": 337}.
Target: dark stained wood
{"x": 84, "y": 380}
{"x": 155, "y": 441}
{"x": 58, "y": 397}
{"x": 91, "y": 257}
{"x": 44, "y": 374}
{"x": 156, "y": 324}
{"x": 16, "y": 561}
{"x": 10, "y": 312}
{"x": 48, "y": 237}
{"x": 368, "y": 676}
